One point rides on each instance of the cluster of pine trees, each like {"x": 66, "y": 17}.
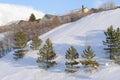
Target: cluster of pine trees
{"x": 47, "y": 53}
{"x": 72, "y": 57}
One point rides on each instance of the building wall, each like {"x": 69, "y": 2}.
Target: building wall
{"x": 86, "y": 10}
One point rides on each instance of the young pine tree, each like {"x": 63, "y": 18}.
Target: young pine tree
{"x": 47, "y": 54}
{"x": 20, "y": 42}
{"x": 36, "y": 42}
{"x": 112, "y": 41}
{"x": 117, "y": 44}
{"x": 88, "y": 54}
{"x": 32, "y": 18}
{"x": 71, "y": 56}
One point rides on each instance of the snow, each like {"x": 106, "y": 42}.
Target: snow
{"x": 10, "y": 13}
{"x": 86, "y": 31}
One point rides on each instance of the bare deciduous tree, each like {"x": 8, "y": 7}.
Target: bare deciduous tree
{"x": 108, "y": 5}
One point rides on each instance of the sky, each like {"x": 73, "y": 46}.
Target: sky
{"x": 57, "y": 6}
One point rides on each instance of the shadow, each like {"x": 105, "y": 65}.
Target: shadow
{"x": 25, "y": 62}
{"x": 81, "y": 76}
{"x": 95, "y": 39}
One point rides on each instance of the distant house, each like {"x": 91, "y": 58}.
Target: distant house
{"x": 64, "y": 19}
{"x": 84, "y": 9}
{"x": 48, "y": 17}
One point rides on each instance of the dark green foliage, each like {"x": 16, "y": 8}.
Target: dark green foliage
{"x": 71, "y": 56}
{"x": 20, "y": 40}
{"x": 19, "y": 54}
{"x": 32, "y": 18}
{"x": 47, "y": 54}
{"x": 90, "y": 63}
{"x": 70, "y": 70}
{"x": 88, "y": 54}
{"x": 36, "y": 42}
{"x": 112, "y": 42}
{"x": 72, "y": 63}
{"x": 117, "y": 54}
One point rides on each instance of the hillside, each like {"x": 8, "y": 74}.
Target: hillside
{"x": 88, "y": 30}
{"x": 10, "y": 13}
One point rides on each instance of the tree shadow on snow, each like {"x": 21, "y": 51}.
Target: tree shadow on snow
{"x": 26, "y": 61}
{"x": 95, "y": 39}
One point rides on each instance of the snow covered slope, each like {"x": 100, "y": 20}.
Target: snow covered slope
{"x": 10, "y": 13}
{"x": 86, "y": 31}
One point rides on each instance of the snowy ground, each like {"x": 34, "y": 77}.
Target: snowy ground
{"x": 87, "y": 31}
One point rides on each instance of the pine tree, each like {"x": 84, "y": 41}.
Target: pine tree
{"x": 47, "y": 54}
{"x": 116, "y": 55}
{"x": 88, "y": 54}
{"x": 32, "y": 18}
{"x": 36, "y": 42}
{"x": 111, "y": 42}
{"x": 71, "y": 56}
{"x": 82, "y": 8}
{"x": 20, "y": 42}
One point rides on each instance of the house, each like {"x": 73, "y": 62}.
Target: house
{"x": 85, "y": 9}
{"x": 48, "y": 17}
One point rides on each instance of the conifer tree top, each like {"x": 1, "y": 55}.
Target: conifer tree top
{"x": 32, "y": 17}
{"x": 88, "y": 53}
{"x": 71, "y": 53}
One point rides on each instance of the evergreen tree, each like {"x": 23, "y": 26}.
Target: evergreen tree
{"x": 116, "y": 55}
{"x": 71, "y": 56}
{"x": 32, "y": 18}
{"x": 82, "y": 8}
{"x": 20, "y": 42}
{"x": 47, "y": 54}
{"x": 36, "y": 42}
{"x": 88, "y": 54}
{"x": 112, "y": 41}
